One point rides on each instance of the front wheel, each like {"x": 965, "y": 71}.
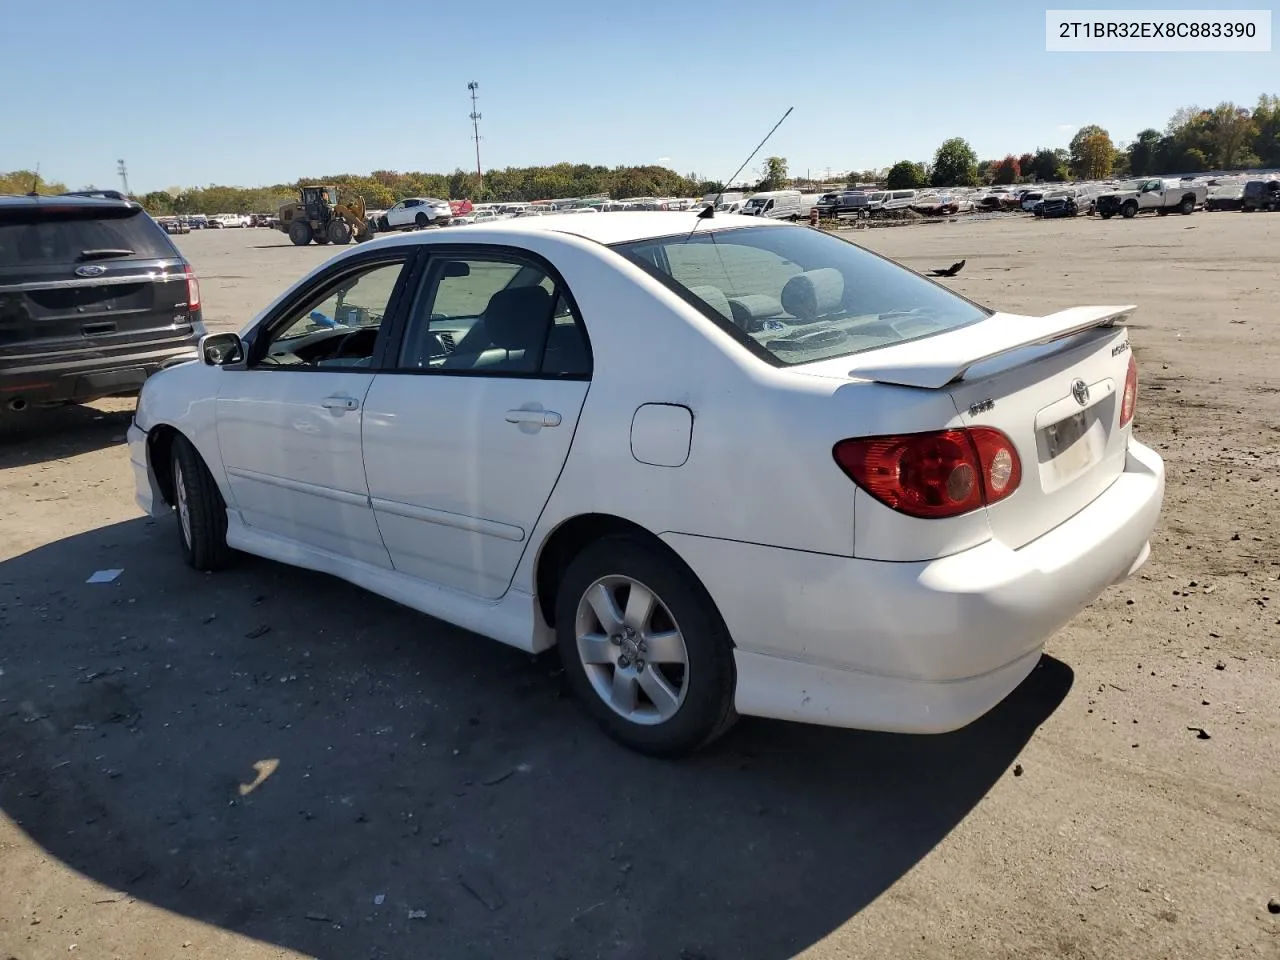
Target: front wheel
{"x": 339, "y": 232}
{"x": 201, "y": 511}
{"x": 421, "y": 220}
{"x": 1129, "y": 211}
{"x": 644, "y": 648}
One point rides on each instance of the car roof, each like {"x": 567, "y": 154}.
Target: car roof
{"x": 18, "y": 202}
{"x": 620, "y": 226}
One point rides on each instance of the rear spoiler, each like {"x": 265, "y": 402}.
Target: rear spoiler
{"x": 933, "y": 362}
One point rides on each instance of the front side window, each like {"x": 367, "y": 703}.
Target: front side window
{"x": 494, "y": 315}
{"x": 801, "y": 295}
{"x": 337, "y": 327}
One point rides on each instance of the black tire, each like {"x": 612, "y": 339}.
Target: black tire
{"x": 1187, "y": 206}
{"x": 339, "y": 232}
{"x": 203, "y": 537}
{"x": 1129, "y": 210}
{"x": 300, "y": 232}
{"x": 708, "y": 681}
{"x": 384, "y": 223}
{"x": 421, "y": 220}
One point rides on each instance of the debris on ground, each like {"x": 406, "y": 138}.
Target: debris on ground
{"x": 1200, "y": 732}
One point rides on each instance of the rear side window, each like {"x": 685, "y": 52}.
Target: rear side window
{"x": 797, "y": 295}
{"x": 38, "y": 237}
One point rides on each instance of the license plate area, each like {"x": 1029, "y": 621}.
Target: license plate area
{"x": 1069, "y": 447}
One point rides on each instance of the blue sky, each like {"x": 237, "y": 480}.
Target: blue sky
{"x": 192, "y": 92}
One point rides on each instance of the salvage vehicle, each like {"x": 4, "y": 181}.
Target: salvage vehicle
{"x": 1260, "y": 195}
{"x": 416, "y": 212}
{"x": 774, "y": 205}
{"x": 1226, "y": 196}
{"x": 94, "y": 298}
{"x": 1057, "y": 203}
{"x": 1162, "y": 196}
{"x": 525, "y": 428}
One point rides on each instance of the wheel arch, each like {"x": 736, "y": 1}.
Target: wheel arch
{"x": 160, "y": 440}
{"x": 573, "y": 535}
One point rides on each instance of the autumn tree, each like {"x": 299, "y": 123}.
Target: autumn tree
{"x": 1094, "y": 157}
{"x": 1083, "y": 156}
{"x": 27, "y": 181}
{"x": 955, "y": 164}
{"x": 1008, "y": 170}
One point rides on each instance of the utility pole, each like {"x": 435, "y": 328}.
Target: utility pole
{"x": 124, "y": 175}
{"x": 475, "y": 129}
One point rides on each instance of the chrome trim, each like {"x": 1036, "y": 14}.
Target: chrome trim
{"x": 92, "y": 282}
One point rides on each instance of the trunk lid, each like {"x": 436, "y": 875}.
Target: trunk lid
{"x": 92, "y": 279}
{"x": 1052, "y": 384}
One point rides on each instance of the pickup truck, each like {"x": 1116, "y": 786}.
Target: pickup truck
{"x": 1162, "y": 196}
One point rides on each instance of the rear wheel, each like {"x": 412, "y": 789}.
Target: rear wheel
{"x": 339, "y": 232}
{"x": 200, "y": 509}
{"x": 1188, "y": 205}
{"x": 300, "y": 232}
{"x": 644, "y": 648}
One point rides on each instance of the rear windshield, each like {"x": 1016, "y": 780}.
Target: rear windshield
{"x": 796, "y": 295}
{"x": 39, "y": 236}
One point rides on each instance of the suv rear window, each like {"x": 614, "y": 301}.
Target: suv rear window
{"x": 39, "y": 235}
{"x": 795, "y": 295}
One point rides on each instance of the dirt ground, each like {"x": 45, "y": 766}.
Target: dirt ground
{"x": 270, "y": 763}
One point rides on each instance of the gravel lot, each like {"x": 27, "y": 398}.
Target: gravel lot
{"x": 269, "y": 762}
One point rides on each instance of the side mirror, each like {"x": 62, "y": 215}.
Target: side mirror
{"x": 220, "y": 349}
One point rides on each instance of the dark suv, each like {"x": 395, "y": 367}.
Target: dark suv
{"x": 94, "y": 298}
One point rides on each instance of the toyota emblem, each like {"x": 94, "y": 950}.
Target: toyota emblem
{"x": 91, "y": 270}
{"x": 1080, "y": 390}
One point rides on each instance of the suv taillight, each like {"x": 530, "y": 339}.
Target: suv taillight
{"x": 933, "y": 475}
{"x": 193, "y": 290}
{"x": 1129, "y": 399}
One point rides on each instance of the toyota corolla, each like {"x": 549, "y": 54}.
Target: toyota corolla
{"x": 727, "y": 466}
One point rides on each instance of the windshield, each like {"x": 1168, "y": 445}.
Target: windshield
{"x": 796, "y": 295}
{"x": 757, "y": 201}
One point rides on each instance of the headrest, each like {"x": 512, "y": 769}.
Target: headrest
{"x": 814, "y": 293}
{"x": 750, "y": 311}
{"x": 714, "y": 298}
{"x": 518, "y": 318}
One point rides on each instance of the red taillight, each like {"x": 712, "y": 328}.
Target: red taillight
{"x": 933, "y": 475}
{"x": 1129, "y": 399}
{"x": 193, "y": 290}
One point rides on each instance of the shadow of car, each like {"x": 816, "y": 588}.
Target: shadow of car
{"x": 271, "y": 750}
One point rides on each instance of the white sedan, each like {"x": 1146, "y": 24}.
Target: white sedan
{"x": 726, "y": 466}
{"x": 416, "y": 212}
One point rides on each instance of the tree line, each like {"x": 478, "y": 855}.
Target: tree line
{"x": 1227, "y": 137}
{"x": 382, "y": 188}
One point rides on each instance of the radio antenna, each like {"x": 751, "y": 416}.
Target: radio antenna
{"x": 710, "y": 212}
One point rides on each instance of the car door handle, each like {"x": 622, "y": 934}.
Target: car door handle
{"x": 539, "y": 418}
{"x": 340, "y": 403}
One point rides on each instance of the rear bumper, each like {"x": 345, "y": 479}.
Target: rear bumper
{"x": 917, "y": 647}
{"x": 78, "y": 378}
